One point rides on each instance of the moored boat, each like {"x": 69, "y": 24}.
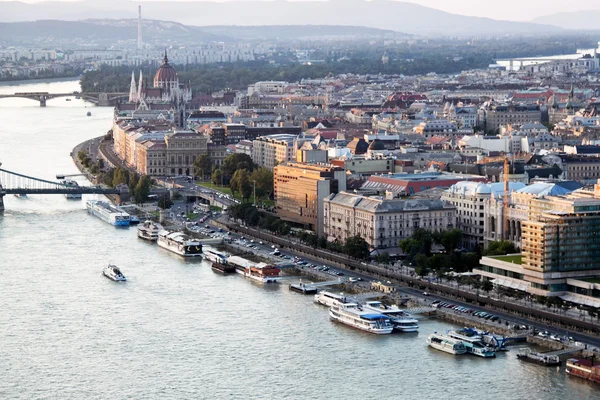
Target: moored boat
{"x": 401, "y": 320}
{"x": 547, "y": 360}
{"x": 353, "y": 315}
{"x": 113, "y": 272}
{"x": 260, "y": 272}
{"x": 107, "y": 213}
{"x": 179, "y": 243}
{"x": 329, "y": 299}
{"x": 71, "y": 184}
{"x": 218, "y": 261}
{"x": 583, "y": 369}
{"x": 446, "y": 344}
{"x": 149, "y": 230}
{"x": 473, "y": 342}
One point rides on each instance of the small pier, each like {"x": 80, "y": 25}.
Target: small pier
{"x": 311, "y": 288}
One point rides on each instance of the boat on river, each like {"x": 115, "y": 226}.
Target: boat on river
{"x": 179, "y": 243}
{"x": 547, "y": 360}
{"x": 114, "y": 273}
{"x": 329, "y": 299}
{"x": 72, "y": 184}
{"x": 401, "y": 320}
{"x": 149, "y": 230}
{"x": 218, "y": 261}
{"x": 583, "y": 368}
{"x": 446, "y": 344}
{"x": 107, "y": 213}
{"x": 355, "y": 316}
{"x": 473, "y": 342}
{"x": 261, "y": 272}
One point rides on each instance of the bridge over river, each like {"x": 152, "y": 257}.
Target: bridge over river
{"x": 99, "y": 98}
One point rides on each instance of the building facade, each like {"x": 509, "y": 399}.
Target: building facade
{"x": 269, "y": 151}
{"x": 382, "y": 222}
{"x": 301, "y": 188}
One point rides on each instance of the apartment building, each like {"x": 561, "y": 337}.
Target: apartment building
{"x": 383, "y": 222}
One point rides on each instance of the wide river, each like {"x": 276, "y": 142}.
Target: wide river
{"x": 176, "y": 329}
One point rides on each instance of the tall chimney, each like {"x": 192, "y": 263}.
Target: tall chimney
{"x": 139, "y": 44}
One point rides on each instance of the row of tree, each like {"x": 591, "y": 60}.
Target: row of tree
{"x": 139, "y": 186}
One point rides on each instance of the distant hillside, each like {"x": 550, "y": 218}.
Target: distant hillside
{"x": 383, "y": 14}
{"x": 581, "y": 20}
{"x": 270, "y": 32}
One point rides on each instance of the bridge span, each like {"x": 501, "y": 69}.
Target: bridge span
{"x": 98, "y": 98}
{"x": 19, "y": 184}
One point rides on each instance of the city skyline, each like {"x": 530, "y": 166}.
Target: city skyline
{"x": 510, "y": 10}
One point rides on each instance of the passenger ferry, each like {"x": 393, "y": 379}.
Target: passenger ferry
{"x": 149, "y": 230}
{"x": 401, "y": 320}
{"x": 584, "y": 369}
{"x": 107, "y": 213}
{"x": 473, "y": 342}
{"x": 260, "y": 272}
{"x": 73, "y": 184}
{"x": 218, "y": 261}
{"x": 329, "y": 299}
{"x": 179, "y": 243}
{"x": 353, "y": 315}
{"x": 446, "y": 343}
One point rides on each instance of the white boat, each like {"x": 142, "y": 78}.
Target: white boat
{"x": 179, "y": 243}
{"x": 134, "y": 220}
{"x": 149, "y": 230}
{"x": 218, "y": 261}
{"x": 401, "y": 320}
{"x": 113, "y": 272}
{"x": 353, "y": 315}
{"x": 329, "y": 299}
{"x": 446, "y": 343}
{"x": 473, "y": 342}
{"x": 261, "y": 272}
{"x": 73, "y": 184}
{"x": 107, "y": 213}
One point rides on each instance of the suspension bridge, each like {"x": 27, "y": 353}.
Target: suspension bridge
{"x": 100, "y": 98}
{"x": 19, "y": 184}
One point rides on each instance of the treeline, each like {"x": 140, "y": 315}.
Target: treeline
{"x": 237, "y": 76}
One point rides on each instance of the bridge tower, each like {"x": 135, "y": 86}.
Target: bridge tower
{"x": 2, "y": 194}
{"x": 42, "y": 101}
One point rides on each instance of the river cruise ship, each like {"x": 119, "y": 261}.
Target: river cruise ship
{"x": 260, "y": 272}
{"x": 218, "y": 261}
{"x": 473, "y": 342}
{"x": 401, "y": 320}
{"x": 107, "y": 213}
{"x": 353, "y": 315}
{"x": 446, "y": 344}
{"x": 74, "y": 185}
{"x": 179, "y": 243}
{"x": 149, "y": 230}
{"x": 584, "y": 369}
{"x": 329, "y": 299}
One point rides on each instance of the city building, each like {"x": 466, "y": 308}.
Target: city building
{"x": 408, "y": 184}
{"x": 383, "y": 222}
{"x": 301, "y": 188}
{"x": 491, "y": 116}
{"x": 269, "y": 151}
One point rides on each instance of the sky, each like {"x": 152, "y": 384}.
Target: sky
{"x": 515, "y": 10}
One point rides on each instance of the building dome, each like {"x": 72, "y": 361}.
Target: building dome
{"x": 376, "y": 145}
{"x": 165, "y": 77}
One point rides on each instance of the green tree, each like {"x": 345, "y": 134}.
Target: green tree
{"x": 217, "y": 176}
{"x": 357, "y": 247}
{"x": 234, "y": 162}
{"x": 121, "y": 176}
{"x": 450, "y": 239}
{"x": 487, "y": 286}
{"x": 142, "y": 189}
{"x": 203, "y": 166}
{"x": 240, "y": 182}
{"x": 322, "y": 242}
{"x": 383, "y": 258}
{"x": 264, "y": 182}
{"x": 133, "y": 181}
{"x": 500, "y": 247}
{"x": 164, "y": 202}
{"x": 421, "y": 264}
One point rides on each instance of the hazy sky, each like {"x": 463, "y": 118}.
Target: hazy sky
{"x": 517, "y": 10}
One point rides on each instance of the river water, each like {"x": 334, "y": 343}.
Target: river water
{"x": 176, "y": 329}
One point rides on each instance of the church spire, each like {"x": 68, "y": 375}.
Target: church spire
{"x": 132, "y": 89}
{"x": 166, "y": 59}
{"x": 140, "y": 88}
